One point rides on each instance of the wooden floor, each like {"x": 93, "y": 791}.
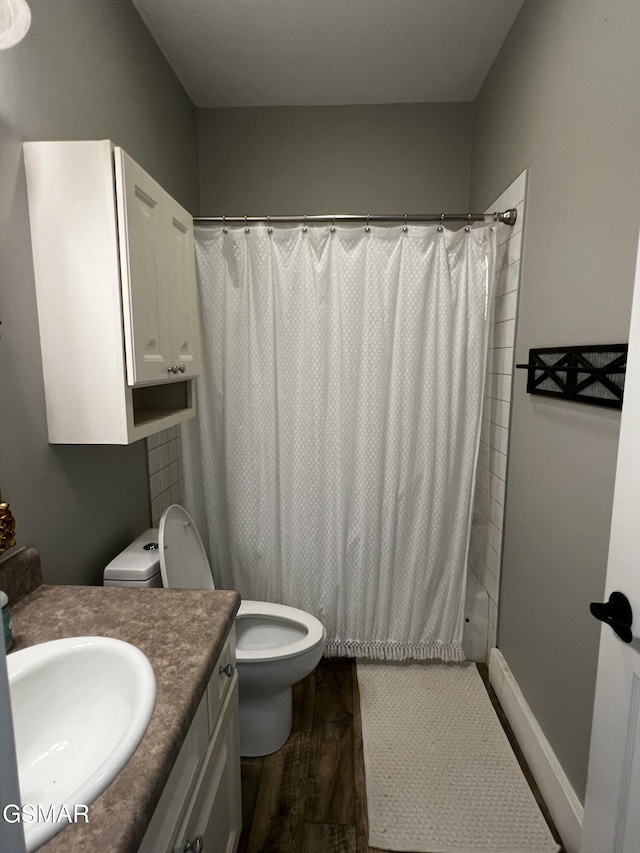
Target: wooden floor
{"x": 309, "y": 797}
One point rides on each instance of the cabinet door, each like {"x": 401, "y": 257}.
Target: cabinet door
{"x": 145, "y": 296}
{"x": 170, "y": 811}
{"x": 181, "y": 274}
{"x": 214, "y": 814}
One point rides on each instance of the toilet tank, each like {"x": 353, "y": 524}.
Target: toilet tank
{"x": 138, "y": 565}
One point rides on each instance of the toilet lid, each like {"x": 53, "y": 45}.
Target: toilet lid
{"x": 183, "y": 560}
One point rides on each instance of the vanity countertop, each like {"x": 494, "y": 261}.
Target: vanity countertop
{"x": 182, "y": 632}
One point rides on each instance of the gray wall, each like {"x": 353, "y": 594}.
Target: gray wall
{"x": 87, "y": 69}
{"x": 562, "y": 100}
{"x": 391, "y": 158}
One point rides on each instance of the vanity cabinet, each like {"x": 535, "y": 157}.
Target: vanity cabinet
{"x": 200, "y": 807}
{"x": 116, "y": 291}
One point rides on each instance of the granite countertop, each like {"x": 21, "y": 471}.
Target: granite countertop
{"x": 182, "y": 632}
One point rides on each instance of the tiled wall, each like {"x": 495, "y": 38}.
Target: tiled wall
{"x": 164, "y": 455}
{"x": 485, "y": 547}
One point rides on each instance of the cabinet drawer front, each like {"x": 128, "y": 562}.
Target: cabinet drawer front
{"x": 172, "y": 804}
{"x": 214, "y": 813}
{"x": 221, "y": 681}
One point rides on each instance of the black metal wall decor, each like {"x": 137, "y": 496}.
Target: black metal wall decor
{"x": 586, "y": 374}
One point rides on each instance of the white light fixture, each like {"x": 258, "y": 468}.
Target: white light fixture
{"x": 15, "y": 19}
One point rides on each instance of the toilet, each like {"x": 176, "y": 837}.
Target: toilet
{"x": 276, "y": 645}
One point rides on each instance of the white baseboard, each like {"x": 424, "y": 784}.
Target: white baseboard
{"x": 562, "y": 802}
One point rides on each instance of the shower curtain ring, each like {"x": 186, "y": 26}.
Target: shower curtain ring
{"x": 333, "y": 227}
{"x": 367, "y": 229}
{"x": 405, "y": 227}
{"x": 269, "y": 228}
{"x": 304, "y": 227}
{"x": 440, "y": 228}
{"x": 224, "y": 222}
{"x": 246, "y": 224}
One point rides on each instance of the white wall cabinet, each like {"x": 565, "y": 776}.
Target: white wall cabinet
{"x": 200, "y": 805}
{"x": 116, "y": 290}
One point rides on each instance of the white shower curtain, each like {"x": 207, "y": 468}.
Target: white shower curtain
{"x": 332, "y": 463}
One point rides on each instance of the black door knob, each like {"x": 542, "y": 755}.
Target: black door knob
{"x": 617, "y": 613}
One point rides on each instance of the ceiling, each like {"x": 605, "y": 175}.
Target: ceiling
{"x": 232, "y": 53}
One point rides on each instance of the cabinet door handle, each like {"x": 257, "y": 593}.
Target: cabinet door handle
{"x": 182, "y": 368}
{"x": 195, "y": 846}
{"x": 227, "y": 670}
{"x": 173, "y": 369}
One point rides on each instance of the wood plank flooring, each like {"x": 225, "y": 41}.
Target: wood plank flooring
{"x": 310, "y": 796}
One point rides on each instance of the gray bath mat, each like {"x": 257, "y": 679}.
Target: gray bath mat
{"x": 441, "y": 776}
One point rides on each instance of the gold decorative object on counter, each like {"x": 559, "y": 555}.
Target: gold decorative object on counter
{"x": 7, "y": 527}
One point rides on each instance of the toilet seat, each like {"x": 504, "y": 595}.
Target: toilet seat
{"x": 276, "y": 632}
{"x": 279, "y": 632}
{"x": 183, "y": 560}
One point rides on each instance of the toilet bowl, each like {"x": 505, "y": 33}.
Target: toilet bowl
{"x": 276, "y": 645}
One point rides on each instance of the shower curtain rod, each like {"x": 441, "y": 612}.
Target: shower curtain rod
{"x": 508, "y": 217}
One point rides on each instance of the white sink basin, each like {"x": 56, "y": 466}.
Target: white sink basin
{"x": 80, "y": 707}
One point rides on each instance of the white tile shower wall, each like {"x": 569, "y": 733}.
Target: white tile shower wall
{"x": 485, "y": 545}
{"x": 166, "y": 486}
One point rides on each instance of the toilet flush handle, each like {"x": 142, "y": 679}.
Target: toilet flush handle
{"x": 195, "y": 846}
{"x": 227, "y": 670}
